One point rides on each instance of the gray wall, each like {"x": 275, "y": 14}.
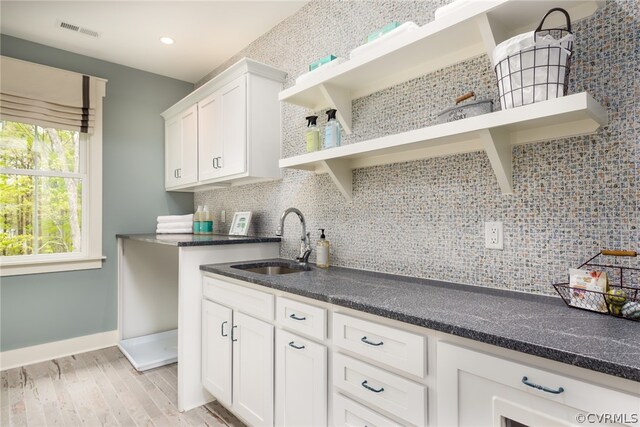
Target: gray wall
{"x": 425, "y": 218}
{"x": 41, "y": 308}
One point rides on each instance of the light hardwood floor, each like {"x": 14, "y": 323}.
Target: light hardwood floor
{"x": 99, "y": 388}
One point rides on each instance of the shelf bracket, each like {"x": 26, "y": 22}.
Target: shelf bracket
{"x": 498, "y": 147}
{"x": 491, "y": 32}
{"x": 341, "y": 174}
{"x": 340, "y": 100}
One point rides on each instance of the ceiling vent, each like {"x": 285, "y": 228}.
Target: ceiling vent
{"x": 77, "y": 29}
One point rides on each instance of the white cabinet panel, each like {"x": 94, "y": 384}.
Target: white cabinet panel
{"x": 253, "y": 387}
{"x": 380, "y": 388}
{"x": 348, "y": 413}
{"x": 393, "y": 347}
{"x": 216, "y": 350}
{"x": 181, "y": 148}
{"x": 301, "y": 317}
{"x": 209, "y": 137}
{"x": 475, "y": 388}
{"x": 233, "y": 112}
{"x": 301, "y": 381}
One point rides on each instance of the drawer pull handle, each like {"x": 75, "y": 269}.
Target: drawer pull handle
{"x": 291, "y": 344}
{"x": 559, "y": 390}
{"x": 232, "y": 335}
{"x": 222, "y": 329}
{"x": 366, "y": 341}
{"x": 368, "y": 387}
{"x": 294, "y": 317}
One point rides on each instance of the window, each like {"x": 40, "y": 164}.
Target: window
{"x": 50, "y": 169}
{"x": 42, "y": 184}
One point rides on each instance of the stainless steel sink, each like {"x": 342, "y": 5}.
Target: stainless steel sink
{"x": 272, "y": 268}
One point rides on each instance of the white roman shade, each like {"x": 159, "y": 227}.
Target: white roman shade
{"x": 46, "y": 96}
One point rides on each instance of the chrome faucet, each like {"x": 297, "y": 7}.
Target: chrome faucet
{"x": 305, "y": 244}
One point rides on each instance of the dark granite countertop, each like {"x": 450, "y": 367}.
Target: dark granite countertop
{"x": 539, "y": 325}
{"x": 197, "y": 239}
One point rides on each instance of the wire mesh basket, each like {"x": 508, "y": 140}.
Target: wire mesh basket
{"x": 539, "y": 71}
{"x": 622, "y": 298}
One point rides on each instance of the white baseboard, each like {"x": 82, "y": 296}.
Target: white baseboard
{"x": 53, "y": 350}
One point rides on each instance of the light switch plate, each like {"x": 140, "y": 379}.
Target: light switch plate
{"x": 493, "y": 235}
{"x": 223, "y": 216}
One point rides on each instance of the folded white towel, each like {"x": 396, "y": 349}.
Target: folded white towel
{"x": 174, "y": 231}
{"x": 174, "y": 225}
{"x": 175, "y": 218}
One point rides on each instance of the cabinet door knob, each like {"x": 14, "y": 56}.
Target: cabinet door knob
{"x": 294, "y": 317}
{"x": 213, "y": 163}
{"x": 368, "y": 387}
{"x": 366, "y": 341}
{"x": 526, "y": 381}
{"x": 222, "y": 329}
{"x": 179, "y": 172}
{"x": 232, "y": 334}
{"x": 291, "y": 344}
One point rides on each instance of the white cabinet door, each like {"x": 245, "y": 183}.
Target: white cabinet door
{"x": 233, "y": 113}
{"x": 301, "y": 381}
{"x": 216, "y": 350}
{"x": 181, "y": 149}
{"x": 253, "y": 370}
{"x": 209, "y": 137}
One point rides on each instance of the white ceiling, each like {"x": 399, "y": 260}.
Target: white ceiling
{"x": 206, "y": 33}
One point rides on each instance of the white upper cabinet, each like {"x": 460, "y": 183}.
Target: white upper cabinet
{"x": 181, "y": 145}
{"x": 236, "y": 130}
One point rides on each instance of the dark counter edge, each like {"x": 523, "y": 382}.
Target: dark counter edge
{"x": 569, "y": 358}
{"x": 223, "y": 239}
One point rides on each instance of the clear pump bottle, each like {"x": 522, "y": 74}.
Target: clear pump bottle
{"x": 206, "y": 224}
{"x": 322, "y": 251}
{"x": 197, "y": 221}
{"x": 332, "y": 130}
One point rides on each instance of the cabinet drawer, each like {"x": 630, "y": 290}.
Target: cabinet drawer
{"x": 382, "y": 389}
{"x": 469, "y": 382}
{"x": 399, "y": 349}
{"x": 256, "y": 303}
{"x": 301, "y": 317}
{"x": 346, "y": 412}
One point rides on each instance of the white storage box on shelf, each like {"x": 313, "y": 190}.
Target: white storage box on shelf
{"x": 406, "y": 28}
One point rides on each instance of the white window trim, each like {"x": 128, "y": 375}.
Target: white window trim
{"x": 91, "y": 258}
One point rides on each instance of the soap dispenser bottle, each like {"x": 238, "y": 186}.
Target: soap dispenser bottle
{"x": 332, "y": 130}
{"x": 312, "y": 134}
{"x": 322, "y": 251}
{"x": 206, "y": 224}
{"x": 197, "y": 221}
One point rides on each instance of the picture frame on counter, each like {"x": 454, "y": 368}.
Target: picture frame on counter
{"x": 240, "y": 224}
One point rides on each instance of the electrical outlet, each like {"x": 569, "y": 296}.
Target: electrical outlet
{"x": 493, "y": 235}
{"x": 223, "y": 216}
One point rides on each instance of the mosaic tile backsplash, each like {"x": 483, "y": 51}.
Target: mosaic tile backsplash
{"x": 426, "y": 218}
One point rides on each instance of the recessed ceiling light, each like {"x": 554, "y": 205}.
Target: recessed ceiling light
{"x": 166, "y": 40}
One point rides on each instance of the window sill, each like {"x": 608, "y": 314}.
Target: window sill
{"x": 18, "y": 268}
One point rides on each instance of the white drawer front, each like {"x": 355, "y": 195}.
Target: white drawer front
{"x": 396, "y": 348}
{"x": 346, "y": 412}
{"x": 301, "y": 317}
{"x": 382, "y": 389}
{"x": 256, "y": 303}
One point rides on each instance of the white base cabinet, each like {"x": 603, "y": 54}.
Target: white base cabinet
{"x": 252, "y": 369}
{"x": 478, "y": 389}
{"x": 275, "y": 365}
{"x": 301, "y": 381}
{"x": 216, "y": 350}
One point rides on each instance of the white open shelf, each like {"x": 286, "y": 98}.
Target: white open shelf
{"x": 151, "y": 351}
{"x": 471, "y": 31}
{"x": 495, "y": 133}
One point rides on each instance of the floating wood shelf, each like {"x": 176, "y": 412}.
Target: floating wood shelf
{"x": 495, "y": 133}
{"x": 468, "y": 32}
